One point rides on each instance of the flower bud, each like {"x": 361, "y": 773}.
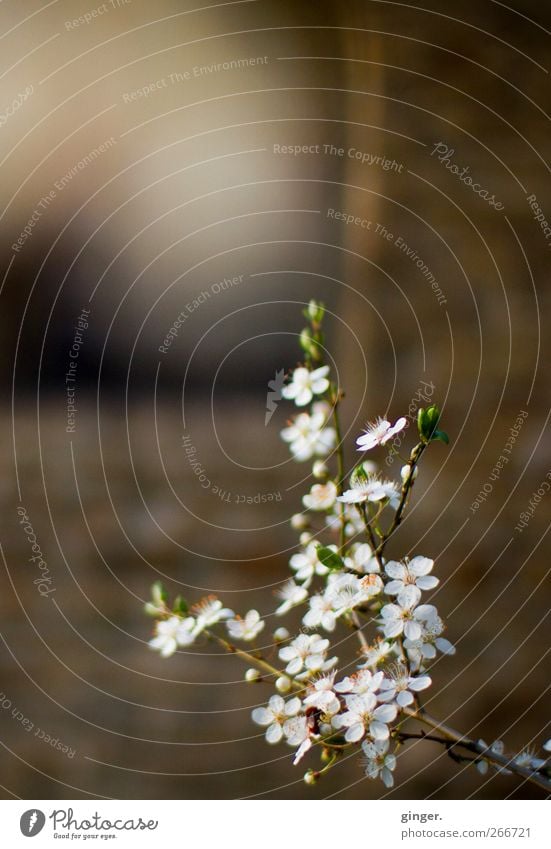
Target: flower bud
{"x": 307, "y": 342}
{"x": 305, "y": 538}
{"x": 283, "y": 684}
{"x": 311, "y": 777}
{"x": 252, "y": 675}
{"x": 299, "y": 521}
{"x": 315, "y": 311}
{"x": 281, "y": 634}
{"x": 158, "y": 595}
{"x": 404, "y": 472}
{"x": 320, "y": 470}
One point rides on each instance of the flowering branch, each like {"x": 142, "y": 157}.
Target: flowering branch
{"x": 341, "y": 578}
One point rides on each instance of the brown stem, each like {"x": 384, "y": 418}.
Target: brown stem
{"x": 406, "y": 489}
{"x": 251, "y": 658}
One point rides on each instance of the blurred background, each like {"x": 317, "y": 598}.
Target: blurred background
{"x": 165, "y": 164}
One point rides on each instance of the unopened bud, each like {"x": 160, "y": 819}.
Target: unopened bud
{"x": 320, "y": 470}
{"x": 405, "y": 470}
{"x": 283, "y": 684}
{"x": 305, "y": 538}
{"x": 299, "y": 521}
{"x": 311, "y": 777}
{"x": 315, "y": 311}
{"x": 281, "y": 634}
{"x": 252, "y": 675}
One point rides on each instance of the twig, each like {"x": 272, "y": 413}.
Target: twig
{"x": 477, "y": 748}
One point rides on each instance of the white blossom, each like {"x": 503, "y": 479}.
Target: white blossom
{"x": 322, "y": 496}
{"x": 297, "y": 732}
{"x": 321, "y": 613}
{"x": 247, "y": 628}
{"x": 171, "y": 633}
{"x": 399, "y": 619}
{"x": 360, "y": 558}
{"x": 291, "y": 595}
{"x": 308, "y": 435}
{"x": 401, "y": 686}
{"x": 306, "y": 564}
{"x": 348, "y": 591}
{"x": 376, "y": 653}
{"x": 305, "y": 384}
{"x": 424, "y": 647}
{"x": 527, "y": 759}
{"x": 354, "y": 522}
{"x": 378, "y": 761}
{"x": 322, "y": 696}
{"x": 275, "y": 715}
{"x": 498, "y": 748}
{"x": 306, "y": 654}
{"x": 379, "y": 433}
{"x": 364, "y": 716}
{"x": 371, "y": 489}
{"x": 209, "y": 611}
{"x": 547, "y": 746}
{"x": 361, "y": 683}
{"x": 409, "y": 578}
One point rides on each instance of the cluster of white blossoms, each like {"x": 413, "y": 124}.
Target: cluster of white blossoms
{"x": 341, "y": 580}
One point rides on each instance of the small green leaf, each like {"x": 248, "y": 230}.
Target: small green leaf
{"x": 427, "y": 421}
{"x": 329, "y": 558}
{"x": 441, "y": 436}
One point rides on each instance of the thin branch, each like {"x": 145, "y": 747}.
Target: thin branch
{"x": 259, "y": 662}
{"x": 406, "y": 489}
{"x": 477, "y": 748}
